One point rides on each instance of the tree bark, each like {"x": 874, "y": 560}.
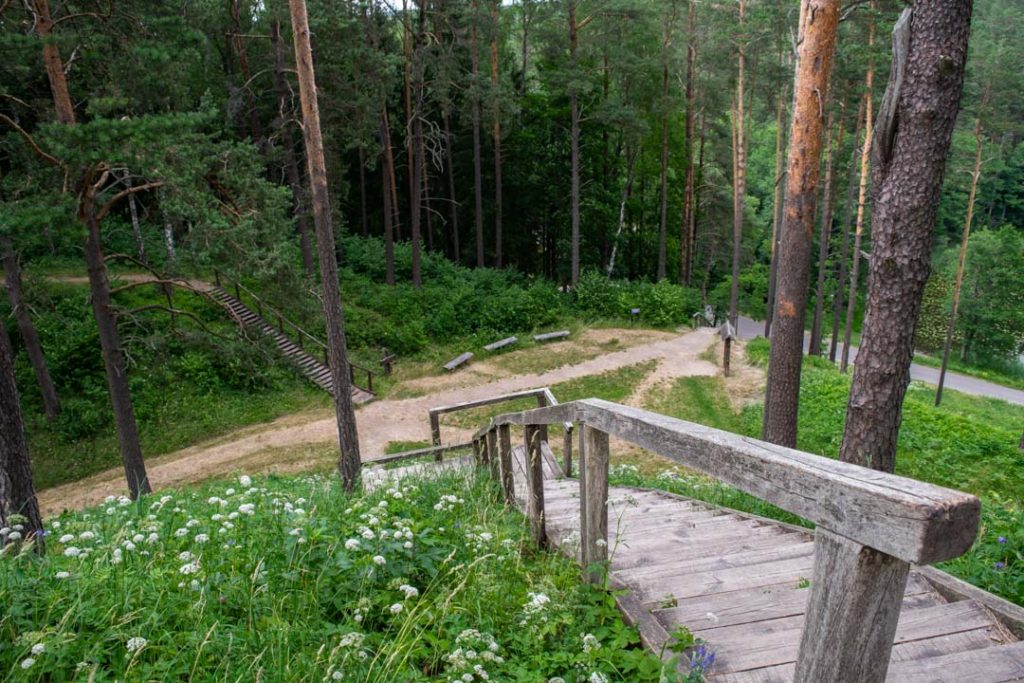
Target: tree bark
{"x": 288, "y": 142}
{"x": 244, "y": 71}
{"x": 663, "y": 218}
{"x": 844, "y": 249}
{"x": 133, "y": 211}
{"x": 389, "y": 159}
{"x": 478, "y": 196}
{"x": 362, "y": 192}
{"x": 110, "y": 344}
{"x": 858, "y": 232}
{"x": 739, "y": 180}
{"x": 53, "y": 63}
{"x": 418, "y": 161}
{"x": 626, "y": 192}
{"x": 498, "y": 246}
{"x": 453, "y": 205}
{"x": 574, "y": 115}
{"x": 773, "y": 270}
{"x": 908, "y": 165}
{"x": 27, "y": 330}
{"x": 824, "y": 238}
{"x": 410, "y": 145}
{"x": 975, "y": 175}
{"x": 334, "y": 317}
{"x": 527, "y": 10}
{"x": 804, "y": 168}
{"x": 17, "y": 491}
{"x": 686, "y": 235}
{"x": 386, "y": 180}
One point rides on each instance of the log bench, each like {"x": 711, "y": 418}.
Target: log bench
{"x": 457, "y": 361}
{"x": 501, "y": 343}
{"x": 548, "y": 336}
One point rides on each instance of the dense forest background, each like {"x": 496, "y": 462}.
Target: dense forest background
{"x": 565, "y": 142}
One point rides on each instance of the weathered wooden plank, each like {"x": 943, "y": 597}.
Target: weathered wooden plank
{"x": 908, "y": 519}
{"x": 501, "y": 343}
{"x": 594, "y": 513}
{"x": 982, "y": 638}
{"x": 492, "y": 453}
{"x": 1010, "y": 615}
{"x": 535, "y": 484}
{"x": 418, "y": 453}
{"x": 457, "y": 361}
{"x": 991, "y": 665}
{"x": 755, "y": 539}
{"x": 505, "y": 463}
{"x": 853, "y": 611}
{"x": 656, "y": 590}
{"x": 548, "y": 336}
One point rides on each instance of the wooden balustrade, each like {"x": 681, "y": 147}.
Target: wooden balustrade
{"x": 870, "y": 525}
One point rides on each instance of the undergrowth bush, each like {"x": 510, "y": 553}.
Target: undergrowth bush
{"x": 285, "y": 579}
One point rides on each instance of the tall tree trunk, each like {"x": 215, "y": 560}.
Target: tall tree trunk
{"x": 574, "y": 141}
{"x": 686, "y": 235}
{"x": 526, "y": 6}
{"x": 824, "y": 237}
{"x": 907, "y": 172}
{"x": 334, "y": 317}
{"x": 695, "y": 208}
{"x": 244, "y": 71}
{"x": 410, "y": 135}
{"x": 387, "y": 193}
{"x": 27, "y": 330}
{"x": 626, "y": 192}
{"x": 804, "y": 168}
{"x": 389, "y": 158}
{"x": 844, "y": 249}
{"x": 133, "y": 211}
{"x": 739, "y": 182}
{"x": 663, "y": 218}
{"x": 453, "y": 204}
{"x": 975, "y": 175}
{"x": 862, "y": 201}
{"x": 110, "y": 344}
{"x": 418, "y": 160}
{"x": 53, "y": 63}
{"x": 17, "y": 492}
{"x": 478, "y": 196}
{"x": 498, "y": 246}
{"x": 773, "y": 271}
{"x": 288, "y": 142}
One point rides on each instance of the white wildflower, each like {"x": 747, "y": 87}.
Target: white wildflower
{"x": 396, "y": 608}
{"x": 116, "y": 556}
{"x": 72, "y": 551}
{"x": 63, "y": 575}
{"x": 247, "y": 509}
{"x": 14, "y": 536}
{"x": 352, "y": 544}
{"x": 190, "y": 568}
{"x": 67, "y": 538}
{"x": 27, "y": 663}
{"x": 590, "y": 642}
{"x": 181, "y": 532}
{"x": 38, "y": 649}
{"x": 379, "y": 560}
{"x": 135, "y": 644}
{"x": 245, "y": 480}
{"x": 410, "y": 591}
{"x": 201, "y": 538}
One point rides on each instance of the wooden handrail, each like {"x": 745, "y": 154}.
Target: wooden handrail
{"x": 912, "y": 520}
{"x": 870, "y": 525}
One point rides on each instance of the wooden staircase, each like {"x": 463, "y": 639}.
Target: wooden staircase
{"x": 310, "y": 366}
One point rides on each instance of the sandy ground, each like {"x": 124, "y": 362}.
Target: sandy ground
{"x": 299, "y": 441}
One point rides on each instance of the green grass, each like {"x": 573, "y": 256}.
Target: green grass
{"x": 1009, "y": 374}
{"x": 402, "y": 446}
{"x": 969, "y": 443}
{"x": 291, "y": 579}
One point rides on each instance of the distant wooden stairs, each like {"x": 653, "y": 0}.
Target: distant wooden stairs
{"x": 296, "y": 350}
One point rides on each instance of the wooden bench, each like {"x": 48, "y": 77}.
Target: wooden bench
{"x": 561, "y": 334}
{"x": 501, "y": 343}
{"x": 456, "y": 362}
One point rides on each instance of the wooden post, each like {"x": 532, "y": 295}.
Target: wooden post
{"x": 435, "y": 429}
{"x": 535, "y": 485}
{"x": 505, "y": 458}
{"x": 476, "y": 451}
{"x": 369, "y": 381}
{"x": 542, "y": 402}
{"x": 856, "y": 594}
{"x": 216, "y": 276}
{"x": 238, "y": 292}
{"x": 299, "y": 334}
{"x": 280, "y": 320}
{"x": 492, "y": 452}
{"x": 259, "y": 309}
{"x": 567, "y": 451}
{"x": 583, "y": 490}
{"x": 594, "y": 505}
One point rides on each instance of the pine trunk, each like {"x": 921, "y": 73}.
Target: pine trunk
{"x": 53, "y": 63}
{"x": 334, "y": 317}
{"x": 975, "y": 176}
{"x": 844, "y": 249}
{"x": 27, "y": 330}
{"x": 453, "y": 205}
{"x": 773, "y": 270}
{"x": 244, "y": 71}
{"x": 686, "y": 234}
{"x": 17, "y": 492}
{"x": 386, "y": 195}
{"x": 288, "y": 142}
{"x": 824, "y": 237}
{"x": 478, "y": 196}
{"x": 804, "y": 168}
{"x": 574, "y": 141}
{"x": 739, "y": 182}
{"x": 906, "y": 184}
{"x": 110, "y": 344}
{"x": 498, "y": 245}
{"x": 663, "y": 219}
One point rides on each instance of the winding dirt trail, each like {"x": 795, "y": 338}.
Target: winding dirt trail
{"x": 296, "y": 442}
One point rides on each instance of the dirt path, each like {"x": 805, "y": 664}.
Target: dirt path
{"x": 296, "y": 442}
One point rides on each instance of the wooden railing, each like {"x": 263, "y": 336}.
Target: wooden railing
{"x": 301, "y": 336}
{"x": 544, "y": 398}
{"x": 871, "y": 526}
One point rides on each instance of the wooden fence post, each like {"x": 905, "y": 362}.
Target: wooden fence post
{"x": 505, "y": 459}
{"x": 567, "y": 451}
{"x": 491, "y": 451}
{"x": 477, "y": 447}
{"x": 435, "y": 429}
{"x": 856, "y": 594}
{"x": 535, "y": 485}
{"x": 594, "y": 505}
{"x": 582, "y": 458}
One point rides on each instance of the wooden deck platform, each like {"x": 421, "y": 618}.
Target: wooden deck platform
{"x": 741, "y": 583}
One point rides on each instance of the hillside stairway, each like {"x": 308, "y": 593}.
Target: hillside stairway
{"x": 745, "y": 584}
{"x": 311, "y": 367}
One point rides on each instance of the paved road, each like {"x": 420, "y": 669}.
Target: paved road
{"x": 748, "y": 329}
